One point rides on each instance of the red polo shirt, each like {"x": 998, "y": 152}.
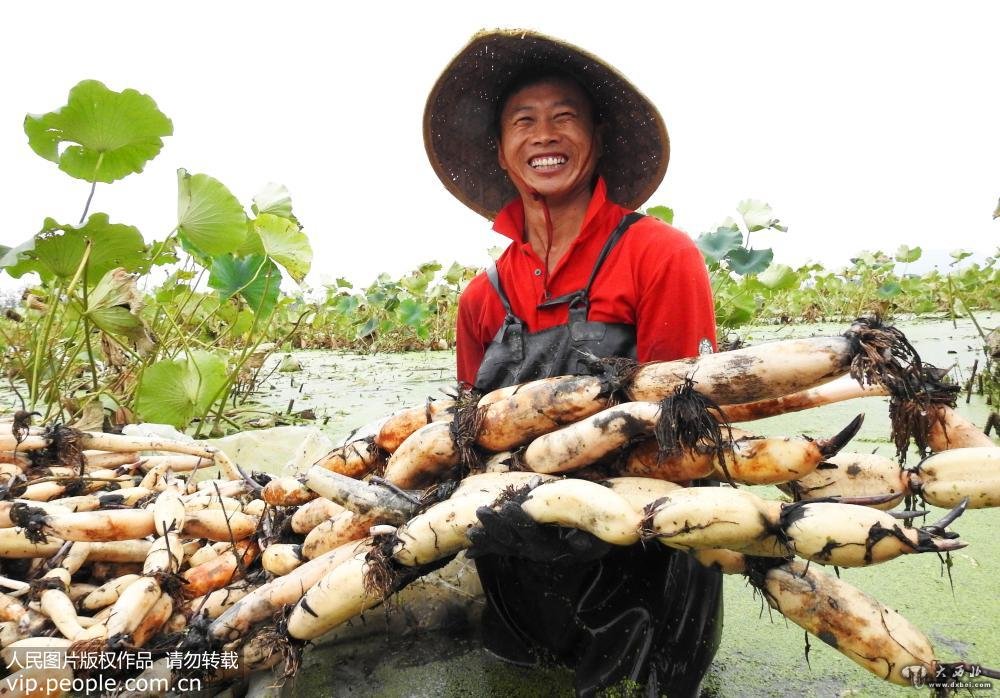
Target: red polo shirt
{"x": 655, "y": 279}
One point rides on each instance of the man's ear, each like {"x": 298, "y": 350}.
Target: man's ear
{"x": 501, "y": 160}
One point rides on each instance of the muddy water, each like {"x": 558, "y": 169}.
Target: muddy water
{"x": 761, "y": 653}
{"x": 348, "y": 390}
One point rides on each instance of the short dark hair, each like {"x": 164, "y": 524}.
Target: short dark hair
{"x": 536, "y": 75}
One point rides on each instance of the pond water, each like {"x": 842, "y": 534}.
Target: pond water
{"x": 348, "y": 390}
{"x": 761, "y": 654}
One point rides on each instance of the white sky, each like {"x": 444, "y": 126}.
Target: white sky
{"x": 864, "y": 124}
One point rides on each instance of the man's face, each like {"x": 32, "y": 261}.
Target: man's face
{"x": 548, "y": 141}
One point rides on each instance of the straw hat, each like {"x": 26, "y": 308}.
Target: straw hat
{"x": 459, "y": 120}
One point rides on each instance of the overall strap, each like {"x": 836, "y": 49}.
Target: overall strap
{"x": 609, "y": 245}
{"x": 575, "y": 298}
{"x": 512, "y": 324}
{"x": 494, "y": 276}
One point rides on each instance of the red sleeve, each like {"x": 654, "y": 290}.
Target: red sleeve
{"x": 470, "y": 347}
{"x": 675, "y": 310}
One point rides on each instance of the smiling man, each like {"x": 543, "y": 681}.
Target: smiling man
{"x": 559, "y": 149}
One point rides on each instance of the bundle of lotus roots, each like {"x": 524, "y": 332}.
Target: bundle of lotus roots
{"x": 161, "y": 549}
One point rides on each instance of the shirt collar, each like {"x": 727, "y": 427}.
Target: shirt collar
{"x": 510, "y": 221}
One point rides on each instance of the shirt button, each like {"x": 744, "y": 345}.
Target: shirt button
{"x": 538, "y": 272}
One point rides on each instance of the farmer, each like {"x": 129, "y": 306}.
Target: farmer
{"x": 558, "y": 149}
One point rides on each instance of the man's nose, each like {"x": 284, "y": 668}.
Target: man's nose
{"x": 545, "y": 132}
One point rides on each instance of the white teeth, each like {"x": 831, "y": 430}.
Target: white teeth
{"x": 547, "y": 161}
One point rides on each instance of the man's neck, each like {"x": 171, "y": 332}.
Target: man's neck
{"x": 566, "y": 218}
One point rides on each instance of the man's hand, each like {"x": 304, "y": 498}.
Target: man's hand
{"x": 508, "y": 531}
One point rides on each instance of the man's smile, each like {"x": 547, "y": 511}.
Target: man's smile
{"x": 547, "y": 163}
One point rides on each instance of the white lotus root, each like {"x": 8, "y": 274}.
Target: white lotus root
{"x": 128, "y": 552}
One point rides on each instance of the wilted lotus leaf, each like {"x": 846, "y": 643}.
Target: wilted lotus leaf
{"x": 114, "y": 305}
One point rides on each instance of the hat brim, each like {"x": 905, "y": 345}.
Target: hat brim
{"x": 459, "y": 117}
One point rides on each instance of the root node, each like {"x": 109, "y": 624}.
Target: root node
{"x": 31, "y": 519}
{"x": 690, "y": 421}
{"x": 465, "y": 429}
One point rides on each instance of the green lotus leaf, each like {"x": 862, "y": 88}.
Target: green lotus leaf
{"x": 285, "y": 243}
{"x": 367, "y": 329}
{"x": 253, "y": 244}
{"x": 347, "y": 305}
{"x": 757, "y": 215}
{"x": 664, "y": 213}
{"x": 118, "y": 322}
{"x": 744, "y": 261}
{"x": 173, "y": 392}
{"x": 412, "y": 313}
{"x": 911, "y": 284}
{"x": 455, "y": 273}
{"x": 273, "y": 199}
{"x": 165, "y": 252}
{"x": 209, "y": 218}
{"x": 907, "y": 254}
{"x": 289, "y": 364}
{"x": 256, "y": 279}
{"x": 320, "y": 320}
{"x": 113, "y": 134}
{"x": 736, "y": 308}
{"x": 715, "y": 246}
{"x": 889, "y": 289}
{"x": 242, "y": 324}
{"x": 416, "y": 283}
{"x": 14, "y": 258}
{"x": 866, "y": 257}
{"x": 779, "y": 277}
{"x": 57, "y": 250}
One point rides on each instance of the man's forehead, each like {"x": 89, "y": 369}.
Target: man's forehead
{"x": 555, "y": 91}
